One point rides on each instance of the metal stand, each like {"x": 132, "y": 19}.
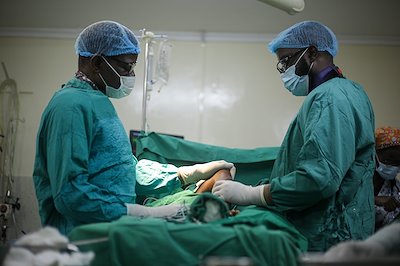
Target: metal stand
{"x": 149, "y": 38}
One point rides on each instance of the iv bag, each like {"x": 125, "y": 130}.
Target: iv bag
{"x": 163, "y": 62}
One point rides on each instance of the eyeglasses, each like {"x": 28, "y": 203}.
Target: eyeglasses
{"x": 282, "y": 64}
{"x": 128, "y": 67}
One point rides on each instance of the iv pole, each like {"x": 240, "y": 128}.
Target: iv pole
{"x": 148, "y": 81}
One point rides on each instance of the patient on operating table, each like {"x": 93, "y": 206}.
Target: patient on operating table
{"x": 186, "y": 197}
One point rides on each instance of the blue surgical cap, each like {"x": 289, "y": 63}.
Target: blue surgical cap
{"x": 107, "y": 38}
{"x": 305, "y": 34}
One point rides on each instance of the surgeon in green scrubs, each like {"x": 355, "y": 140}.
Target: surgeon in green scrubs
{"x": 84, "y": 169}
{"x": 322, "y": 177}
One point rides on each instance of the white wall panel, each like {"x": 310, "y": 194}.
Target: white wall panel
{"x": 219, "y": 93}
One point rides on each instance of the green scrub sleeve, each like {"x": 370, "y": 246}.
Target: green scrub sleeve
{"x": 327, "y": 154}
{"x": 68, "y": 152}
{"x": 86, "y": 203}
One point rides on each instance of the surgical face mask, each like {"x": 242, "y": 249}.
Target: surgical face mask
{"x": 388, "y": 172}
{"x": 297, "y": 85}
{"x": 126, "y": 86}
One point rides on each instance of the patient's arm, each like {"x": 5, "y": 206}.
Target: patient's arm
{"x": 208, "y": 184}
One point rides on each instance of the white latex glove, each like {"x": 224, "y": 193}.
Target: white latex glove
{"x": 159, "y": 211}
{"x": 233, "y": 172}
{"x": 193, "y": 173}
{"x": 238, "y": 193}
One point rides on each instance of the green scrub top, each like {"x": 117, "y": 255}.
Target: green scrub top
{"x": 84, "y": 169}
{"x": 322, "y": 177}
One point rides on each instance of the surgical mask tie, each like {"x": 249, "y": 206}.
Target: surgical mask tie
{"x": 126, "y": 86}
{"x": 388, "y": 172}
{"x": 297, "y": 85}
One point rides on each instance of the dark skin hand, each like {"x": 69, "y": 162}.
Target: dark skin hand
{"x": 207, "y": 185}
{"x": 389, "y": 203}
{"x": 93, "y": 66}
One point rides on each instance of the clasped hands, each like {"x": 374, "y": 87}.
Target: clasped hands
{"x": 227, "y": 189}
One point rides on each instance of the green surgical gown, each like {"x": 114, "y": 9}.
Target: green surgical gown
{"x": 84, "y": 169}
{"x": 322, "y": 177}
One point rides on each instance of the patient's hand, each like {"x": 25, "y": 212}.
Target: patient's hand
{"x": 207, "y": 185}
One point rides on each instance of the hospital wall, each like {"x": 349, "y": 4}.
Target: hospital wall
{"x": 219, "y": 92}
